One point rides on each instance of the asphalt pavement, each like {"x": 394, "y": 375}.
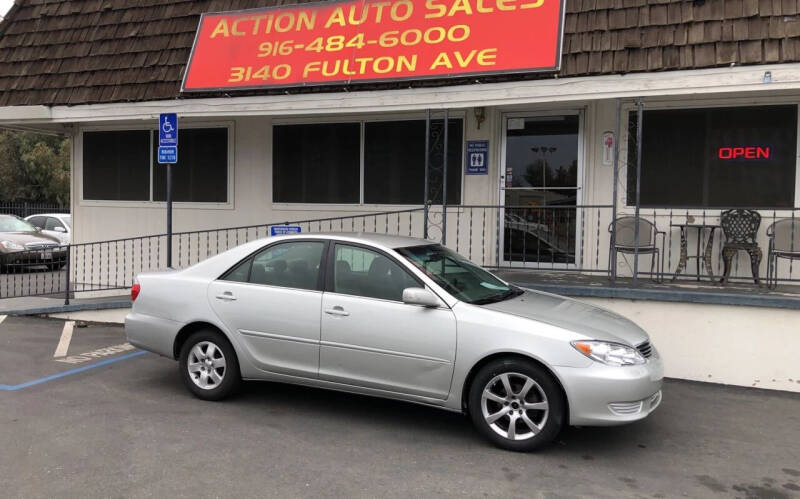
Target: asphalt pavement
{"x": 92, "y": 417}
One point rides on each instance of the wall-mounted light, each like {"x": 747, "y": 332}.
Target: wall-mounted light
{"x": 480, "y": 116}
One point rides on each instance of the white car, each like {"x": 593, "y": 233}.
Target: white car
{"x": 58, "y": 225}
{"x": 400, "y": 318}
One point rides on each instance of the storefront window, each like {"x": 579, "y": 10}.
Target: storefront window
{"x": 394, "y": 162}
{"x": 719, "y": 157}
{"x": 116, "y": 165}
{"x": 322, "y": 163}
{"x": 201, "y": 174}
{"x": 316, "y": 163}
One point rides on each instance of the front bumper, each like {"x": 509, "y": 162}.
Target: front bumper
{"x": 34, "y": 257}
{"x": 601, "y": 395}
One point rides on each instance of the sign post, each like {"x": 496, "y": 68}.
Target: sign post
{"x": 168, "y": 155}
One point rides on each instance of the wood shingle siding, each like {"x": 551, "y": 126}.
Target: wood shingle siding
{"x": 93, "y": 51}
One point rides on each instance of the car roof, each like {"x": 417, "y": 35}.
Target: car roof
{"x": 385, "y": 240}
{"x": 56, "y": 215}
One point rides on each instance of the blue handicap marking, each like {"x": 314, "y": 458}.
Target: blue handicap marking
{"x": 168, "y": 129}
{"x": 167, "y": 154}
{"x": 281, "y": 230}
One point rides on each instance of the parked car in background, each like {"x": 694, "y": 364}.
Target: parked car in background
{"x": 22, "y": 246}
{"x": 400, "y": 318}
{"x": 58, "y": 225}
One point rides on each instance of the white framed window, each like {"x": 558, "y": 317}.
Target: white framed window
{"x": 120, "y": 166}
{"x": 364, "y": 162}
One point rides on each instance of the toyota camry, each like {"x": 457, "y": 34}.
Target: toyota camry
{"x": 400, "y": 318}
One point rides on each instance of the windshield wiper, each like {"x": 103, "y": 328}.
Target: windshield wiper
{"x": 511, "y": 293}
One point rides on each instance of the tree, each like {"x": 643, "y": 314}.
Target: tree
{"x": 34, "y": 168}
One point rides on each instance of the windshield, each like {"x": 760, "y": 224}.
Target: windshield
{"x": 460, "y": 277}
{"x": 68, "y": 221}
{"x": 14, "y": 224}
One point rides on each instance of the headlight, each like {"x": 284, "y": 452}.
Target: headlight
{"x": 11, "y": 245}
{"x": 612, "y": 354}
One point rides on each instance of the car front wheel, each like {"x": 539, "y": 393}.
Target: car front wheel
{"x": 516, "y": 404}
{"x": 208, "y": 366}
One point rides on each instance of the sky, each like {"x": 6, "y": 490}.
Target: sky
{"x": 5, "y": 5}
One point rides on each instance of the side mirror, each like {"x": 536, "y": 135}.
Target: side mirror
{"x": 60, "y": 229}
{"x": 420, "y": 296}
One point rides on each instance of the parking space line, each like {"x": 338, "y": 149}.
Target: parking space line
{"x": 66, "y": 338}
{"x": 2, "y": 318}
{"x": 11, "y": 388}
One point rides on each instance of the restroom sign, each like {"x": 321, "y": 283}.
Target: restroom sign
{"x": 477, "y": 157}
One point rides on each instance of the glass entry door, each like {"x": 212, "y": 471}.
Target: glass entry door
{"x": 541, "y": 189}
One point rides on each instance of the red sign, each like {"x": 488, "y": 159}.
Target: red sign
{"x": 373, "y": 40}
{"x": 749, "y": 152}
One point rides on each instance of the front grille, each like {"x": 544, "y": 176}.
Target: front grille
{"x": 40, "y": 246}
{"x": 646, "y": 349}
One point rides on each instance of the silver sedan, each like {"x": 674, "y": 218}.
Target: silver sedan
{"x": 400, "y": 318}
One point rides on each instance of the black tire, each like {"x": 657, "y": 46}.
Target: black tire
{"x": 230, "y": 375}
{"x": 545, "y": 390}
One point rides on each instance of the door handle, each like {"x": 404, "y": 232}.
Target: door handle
{"x": 226, "y": 296}
{"x": 337, "y": 310}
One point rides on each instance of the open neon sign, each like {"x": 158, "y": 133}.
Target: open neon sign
{"x": 748, "y": 152}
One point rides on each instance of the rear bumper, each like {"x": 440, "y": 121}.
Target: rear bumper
{"x": 153, "y": 334}
{"x": 601, "y": 395}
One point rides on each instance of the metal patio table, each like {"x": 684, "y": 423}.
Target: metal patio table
{"x": 705, "y": 256}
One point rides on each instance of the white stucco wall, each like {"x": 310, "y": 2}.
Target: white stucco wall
{"x": 745, "y": 346}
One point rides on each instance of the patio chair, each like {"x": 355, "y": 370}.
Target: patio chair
{"x": 784, "y": 242}
{"x": 625, "y": 242}
{"x": 740, "y": 228}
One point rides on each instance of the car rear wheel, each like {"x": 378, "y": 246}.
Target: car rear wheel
{"x": 516, "y": 404}
{"x": 208, "y": 366}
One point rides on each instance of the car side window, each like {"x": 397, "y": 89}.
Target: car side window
{"x": 289, "y": 265}
{"x": 362, "y": 272}
{"x": 52, "y": 223}
{"x": 240, "y": 273}
{"x": 37, "y": 222}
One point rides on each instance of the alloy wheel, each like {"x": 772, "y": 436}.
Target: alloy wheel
{"x": 514, "y": 406}
{"x": 206, "y": 365}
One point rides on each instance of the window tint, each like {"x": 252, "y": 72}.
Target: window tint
{"x": 201, "y": 174}
{"x": 717, "y": 157}
{"x": 361, "y": 272}
{"x": 289, "y": 265}
{"x": 240, "y": 273}
{"x": 37, "y": 222}
{"x": 316, "y": 163}
{"x": 116, "y": 165}
{"x": 52, "y": 223}
{"x": 394, "y": 161}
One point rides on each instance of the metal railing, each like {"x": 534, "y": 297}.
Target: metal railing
{"x": 24, "y": 209}
{"x": 546, "y": 239}
{"x": 112, "y": 265}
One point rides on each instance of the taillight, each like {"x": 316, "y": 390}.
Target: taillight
{"x": 135, "y": 290}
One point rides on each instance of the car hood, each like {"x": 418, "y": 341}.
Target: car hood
{"x": 27, "y": 237}
{"x": 593, "y": 322}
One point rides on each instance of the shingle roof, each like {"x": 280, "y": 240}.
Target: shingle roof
{"x": 67, "y": 52}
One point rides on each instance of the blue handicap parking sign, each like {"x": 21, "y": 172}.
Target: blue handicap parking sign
{"x": 168, "y": 155}
{"x": 168, "y": 129}
{"x": 281, "y": 230}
